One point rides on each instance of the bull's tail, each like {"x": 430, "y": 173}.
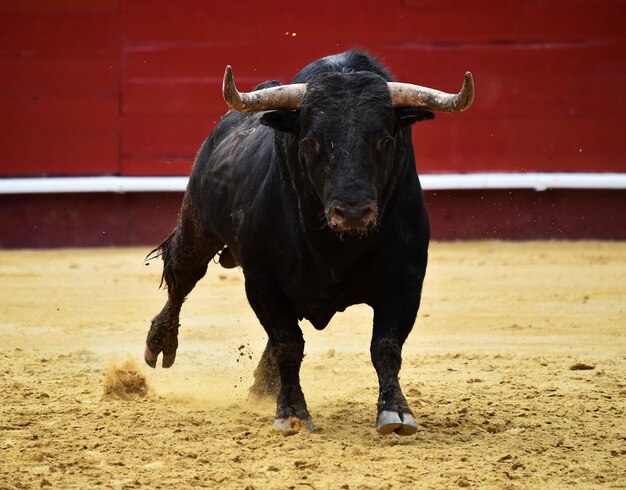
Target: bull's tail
{"x": 164, "y": 251}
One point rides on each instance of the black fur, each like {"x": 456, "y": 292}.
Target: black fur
{"x": 268, "y": 187}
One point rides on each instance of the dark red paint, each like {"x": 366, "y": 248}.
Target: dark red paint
{"x": 79, "y": 220}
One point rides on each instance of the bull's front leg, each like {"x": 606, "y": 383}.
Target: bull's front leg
{"x": 394, "y": 413}
{"x": 393, "y": 321}
{"x": 185, "y": 258}
{"x": 286, "y": 346}
{"x": 163, "y": 334}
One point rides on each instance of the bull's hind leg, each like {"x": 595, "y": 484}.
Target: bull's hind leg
{"x": 266, "y": 376}
{"x": 185, "y": 259}
{"x": 285, "y": 346}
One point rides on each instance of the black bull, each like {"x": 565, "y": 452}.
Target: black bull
{"x": 319, "y": 202}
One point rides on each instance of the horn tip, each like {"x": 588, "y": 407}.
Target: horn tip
{"x": 228, "y": 72}
{"x": 229, "y": 91}
{"x": 467, "y": 91}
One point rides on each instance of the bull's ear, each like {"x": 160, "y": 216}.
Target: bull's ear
{"x": 406, "y": 116}
{"x": 287, "y": 121}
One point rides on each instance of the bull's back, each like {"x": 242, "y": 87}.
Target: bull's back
{"x": 229, "y": 172}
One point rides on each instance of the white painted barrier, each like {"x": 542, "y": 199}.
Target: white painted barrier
{"x": 430, "y": 182}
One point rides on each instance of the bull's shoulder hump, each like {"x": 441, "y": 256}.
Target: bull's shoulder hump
{"x": 236, "y": 140}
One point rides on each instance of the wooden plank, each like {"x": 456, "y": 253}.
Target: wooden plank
{"x": 167, "y": 137}
{"x": 372, "y": 22}
{"x": 156, "y": 166}
{"x": 174, "y": 96}
{"x": 196, "y": 62}
{"x": 81, "y": 220}
{"x": 527, "y": 215}
{"x": 70, "y": 115}
{"x": 509, "y": 83}
{"x": 543, "y": 144}
{"x": 530, "y": 71}
{"x": 78, "y": 220}
{"x": 514, "y": 83}
{"x": 49, "y": 154}
{"x": 519, "y": 87}
{"x": 59, "y": 75}
{"x": 57, "y": 7}
{"x": 43, "y": 34}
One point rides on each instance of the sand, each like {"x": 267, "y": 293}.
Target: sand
{"x": 516, "y": 371}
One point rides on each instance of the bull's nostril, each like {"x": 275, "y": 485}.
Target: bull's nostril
{"x": 368, "y": 216}
{"x": 337, "y": 215}
{"x": 356, "y": 217}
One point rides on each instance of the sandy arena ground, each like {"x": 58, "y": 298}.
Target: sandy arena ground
{"x": 515, "y": 370}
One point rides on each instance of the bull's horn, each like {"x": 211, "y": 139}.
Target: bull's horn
{"x": 266, "y": 99}
{"x": 408, "y": 95}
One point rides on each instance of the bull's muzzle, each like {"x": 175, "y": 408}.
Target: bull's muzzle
{"x": 352, "y": 217}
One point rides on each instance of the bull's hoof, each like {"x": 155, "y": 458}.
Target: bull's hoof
{"x": 292, "y": 425}
{"x": 151, "y": 358}
{"x": 409, "y": 426}
{"x": 402, "y": 424}
{"x": 168, "y": 359}
{"x": 388, "y": 422}
{"x": 162, "y": 338}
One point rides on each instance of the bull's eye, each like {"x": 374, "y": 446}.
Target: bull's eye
{"x": 386, "y": 143}
{"x": 310, "y": 145}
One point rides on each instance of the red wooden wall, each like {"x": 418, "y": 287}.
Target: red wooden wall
{"x": 59, "y": 87}
{"x": 132, "y": 87}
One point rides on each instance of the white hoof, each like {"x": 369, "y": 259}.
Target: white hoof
{"x": 409, "y": 426}
{"x": 293, "y": 425}
{"x": 402, "y": 424}
{"x": 388, "y": 422}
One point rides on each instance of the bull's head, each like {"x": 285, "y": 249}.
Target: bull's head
{"x": 349, "y": 132}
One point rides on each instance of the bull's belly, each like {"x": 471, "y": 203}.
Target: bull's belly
{"x": 319, "y": 313}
